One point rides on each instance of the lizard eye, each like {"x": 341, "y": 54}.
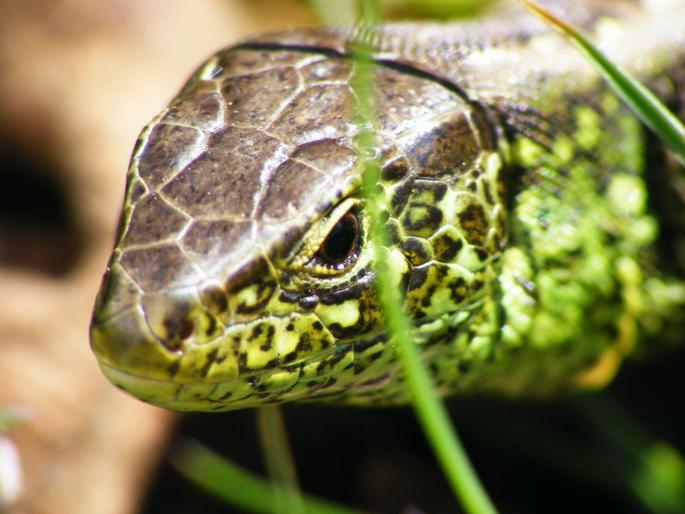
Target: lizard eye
{"x": 342, "y": 242}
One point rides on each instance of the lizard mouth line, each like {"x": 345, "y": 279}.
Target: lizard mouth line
{"x": 356, "y": 345}
{"x": 113, "y": 372}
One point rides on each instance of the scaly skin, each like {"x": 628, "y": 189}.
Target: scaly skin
{"x": 516, "y": 203}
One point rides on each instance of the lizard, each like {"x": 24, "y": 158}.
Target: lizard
{"x": 534, "y": 229}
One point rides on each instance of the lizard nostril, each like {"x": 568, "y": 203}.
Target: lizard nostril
{"x": 186, "y": 329}
{"x": 171, "y": 318}
{"x": 178, "y": 327}
{"x": 214, "y": 299}
{"x": 179, "y": 320}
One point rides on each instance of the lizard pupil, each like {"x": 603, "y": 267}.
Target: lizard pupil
{"x": 342, "y": 241}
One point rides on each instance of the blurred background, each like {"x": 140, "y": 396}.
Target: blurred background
{"x": 78, "y": 80}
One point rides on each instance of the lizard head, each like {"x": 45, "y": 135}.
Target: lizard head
{"x": 242, "y": 270}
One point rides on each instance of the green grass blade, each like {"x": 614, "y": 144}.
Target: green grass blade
{"x": 645, "y": 105}
{"x": 279, "y": 461}
{"x": 429, "y": 409}
{"x": 653, "y": 470}
{"x": 238, "y": 487}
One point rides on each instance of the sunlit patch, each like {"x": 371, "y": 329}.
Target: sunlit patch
{"x": 345, "y": 314}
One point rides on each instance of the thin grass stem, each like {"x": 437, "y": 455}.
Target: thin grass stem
{"x": 644, "y": 104}
{"x": 429, "y": 409}
{"x": 279, "y": 461}
{"x": 236, "y": 486}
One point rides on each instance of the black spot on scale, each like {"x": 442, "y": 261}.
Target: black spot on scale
{"x": 263, "y": 388}
{"x": 173, "y": 367}
{"x": 446, "y": 247}
{"x": 440, "y": 338}
{"x": 317, "y": 325}
{"x": 269, "y": 338}
{"x": 477, "y": 283}
{"x": 433, "y": 189}
{"x": 426, "y": 300}
{"x": 256, "y": 331}
{"x": 441, "y": 271}
{"x": 414, "y": 249}
{"x": 210, "y": 358}
{"x": 482, "y": 253}
{"x": 421, "y": 217}
{"x": 458, "y": 290}
{"x": 473, "y": 220}
{"x": 394, "y": 232}
{"x": 215, "y": 299}
{"x": 344, "y": 332}
{"x": 374, "y": 356}
{"x": 394, "y": 170}
{"x": 289, "y": 357}
{"x": 211, "y": 326}
{"x": 304, "y": 344}
{"x": 486, "y": 192}
{"x": 337, "y": 357}
{"x": 418, "y": 278}
{"x": 294, "y": 368}
{"x": 400, "y": 197}
{"x": 362, "y": 346}
{"x": 265, "y": 291}
{"x": 178, "y": 328}
{"x": 349, "y": 366}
